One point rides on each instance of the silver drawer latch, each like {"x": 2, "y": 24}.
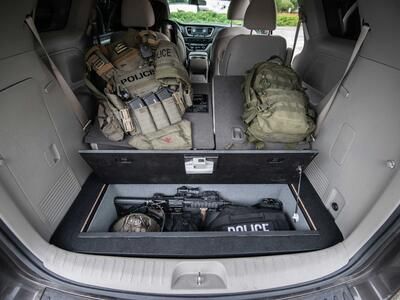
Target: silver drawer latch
{"x": 200, "y": 165}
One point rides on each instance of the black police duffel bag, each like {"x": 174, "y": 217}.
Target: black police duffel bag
{"x": 266, "y": 216}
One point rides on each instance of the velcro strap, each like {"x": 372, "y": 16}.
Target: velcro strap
{"x": 126, "y": 121}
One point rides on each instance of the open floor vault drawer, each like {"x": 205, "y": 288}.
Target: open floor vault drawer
{"x": 241, "y": 177}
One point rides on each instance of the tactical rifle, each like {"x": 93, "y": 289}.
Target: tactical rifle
{"x": 185, "y": 198}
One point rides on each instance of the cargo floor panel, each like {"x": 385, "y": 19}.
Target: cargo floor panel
{"x": 86, "y": 227}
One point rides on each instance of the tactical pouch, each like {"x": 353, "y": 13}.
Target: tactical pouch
{"x": 157, "y": 111}
{"x": 171, "y": 107}
{"x": 108, "y": 122}
{"x": 122, "y": 113}
{"x": 126, "y": 121}
{"x": 187, "y": 95}
{"x": 180, "y": 102}
{"x": 142, "y": 116}
{"x": 170, "y": 71}
{"x": 174, "y": 137}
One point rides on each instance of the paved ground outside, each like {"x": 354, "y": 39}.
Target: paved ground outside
{"x": 288, "y": 33}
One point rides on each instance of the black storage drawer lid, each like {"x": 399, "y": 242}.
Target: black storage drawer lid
{"x": 191, "y": 167}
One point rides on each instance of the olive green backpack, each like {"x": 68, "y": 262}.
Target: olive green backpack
{"x": 276, "y": 106}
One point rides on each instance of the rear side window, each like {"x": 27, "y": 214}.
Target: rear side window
{"x": 52, "y": 15}
{"x": 342, "y": 18}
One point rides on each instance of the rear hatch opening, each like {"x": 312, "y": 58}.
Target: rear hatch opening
{"x": 236, "y": 176}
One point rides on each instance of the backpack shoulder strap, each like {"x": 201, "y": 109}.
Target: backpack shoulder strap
{"x": 249, "y": 81}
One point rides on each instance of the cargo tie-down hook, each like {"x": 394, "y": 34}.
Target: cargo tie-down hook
{"x": 199, "y": 279}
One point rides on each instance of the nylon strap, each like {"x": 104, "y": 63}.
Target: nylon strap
{"x": 296, "y": 38}
{"x": 324, "y": 112}
{"x": 76, "y": 106}
{"x": 302, "y": 21}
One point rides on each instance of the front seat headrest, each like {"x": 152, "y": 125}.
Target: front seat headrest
{"x": 237, "y": 9}
{"x": 137, "y": 13}
{"x": 261, "y": 15}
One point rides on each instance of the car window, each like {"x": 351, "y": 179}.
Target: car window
{"x": 199, "y": 12}
{"x": 342, "y": 18}
{"x": 52, "y": 15}
{"x": 215, "y": 12}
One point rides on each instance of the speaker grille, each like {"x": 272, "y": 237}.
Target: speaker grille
{"x": 60, "y": 197}
{"x": 317, "y": 178}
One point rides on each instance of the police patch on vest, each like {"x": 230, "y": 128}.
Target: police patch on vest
{"x": 250, "y": 227}
{"x": 137, "y": 76}
{"x": 164, "y": 52}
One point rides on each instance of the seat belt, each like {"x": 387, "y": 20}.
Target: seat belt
{"x": 324, "y": 112}
{"x": 302, "y": 21}
{"x": 76, "y": 106}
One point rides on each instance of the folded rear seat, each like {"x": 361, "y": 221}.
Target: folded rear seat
{"x": 202, "y": 133}
{"x": 201, "y": 118}
{"x": 219, "y": 126}
{"x": 139, "y": 14}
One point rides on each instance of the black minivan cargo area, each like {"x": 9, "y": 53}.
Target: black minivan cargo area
{"x": 227, "y": 168}
{"x": 222, "y": 165}
{"x": 242, "y": 178}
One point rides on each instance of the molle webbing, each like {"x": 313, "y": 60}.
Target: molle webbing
{"x": 147, "y": 91}
{"x": 276, "y": 107}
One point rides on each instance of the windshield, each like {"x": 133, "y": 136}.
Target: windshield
{"x": 205, "y": 12}
{"x": 215, "y": 12}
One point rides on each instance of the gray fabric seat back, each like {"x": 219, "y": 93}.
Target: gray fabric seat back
{"x": 140, "y": 14}
{"x": 244, "y": 51}
{"x": 162, "y": 13}
{"x": 137, "y": 14}
{"x": 39, "y": 137}
{"x": 236, "y": 11}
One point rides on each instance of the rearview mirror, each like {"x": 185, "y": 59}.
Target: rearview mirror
{"x": 198, "y": 2}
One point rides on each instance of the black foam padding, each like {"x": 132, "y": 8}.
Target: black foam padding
{"x": 193, "y": 244}
{"x": 228, "y": 110}
{"x": 202, "y": 122}
{"x": 200, "y": 104}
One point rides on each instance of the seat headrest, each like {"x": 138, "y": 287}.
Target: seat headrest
{"x": 137, "y": 13}
{"x": 261, "y": 14}
{"x": 237, "y": 9}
